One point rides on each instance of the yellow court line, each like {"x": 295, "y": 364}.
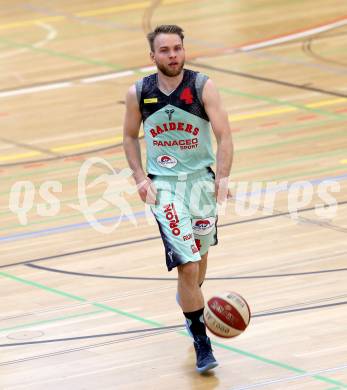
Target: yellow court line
{"x": 83, "y": 145}
{"x": 87, "y": 144}
{"x": 20, "y": 156}
{"x": 241, "y": 117}
{"x": 232, "y": 118}
{"x": 343, "y": 161}
{"x": 94, "y": 12}
{"x": 326, "y": 103}
{"x": 31, "y": 22}
{"x": 116, "y": 9}
{"x": 103, "y": 141}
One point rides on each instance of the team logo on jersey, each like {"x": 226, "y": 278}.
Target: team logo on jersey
{"x": 166, "y": 161}
{"x": 169, "y": 113}
{"x": 174, "y": 126}
{"x": 187, "y": 96}
{"x": 203, "y": 226}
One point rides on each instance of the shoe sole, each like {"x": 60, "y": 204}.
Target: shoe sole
{"x": 206, "y": 368}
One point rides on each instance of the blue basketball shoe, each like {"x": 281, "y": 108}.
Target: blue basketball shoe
{"x": 205, "y": 360}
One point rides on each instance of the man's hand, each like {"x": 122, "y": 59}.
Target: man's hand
{"x": 222, "y": 191}
{"x": 147, "y": 191}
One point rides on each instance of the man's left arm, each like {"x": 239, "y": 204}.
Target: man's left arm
{"x": 221, "y": 128}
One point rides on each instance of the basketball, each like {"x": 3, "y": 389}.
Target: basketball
{"x": 227, "y": 314}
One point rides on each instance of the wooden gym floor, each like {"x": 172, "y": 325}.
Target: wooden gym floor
{"x": 86, "y": 308}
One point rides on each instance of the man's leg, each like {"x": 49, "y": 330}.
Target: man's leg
{"x": 202, "y": 264}
{"x": 191, "y": 298}
{"x": 192, "y": 303}
{"x": 202, "y": 268}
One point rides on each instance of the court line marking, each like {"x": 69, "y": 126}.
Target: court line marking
{"x": 312, "y": 107}
{"x": 260, "y": 78}
{"x": 51, "y": 35}
{"x": 39, "y": 88}
{"x": 110, "y": 76}
{"x": 292, "y": 309}
{"x": 64, "y": 55}
{"x": 244, "y": 47}
{"x": 319, "y": 351}
{"x": 52, "y": 320}
{"x": 156, "y": 324}
{"x": 277, "y": 111}
{"x": 114, "y": 140}
{"x": 29, "y": 325}
{"x": 133, "y": 204}
{"x": 78, "y": 134}
{"x": 83, "y": 145}
{"x": 94, "y": 12}
{"x": 249, "y": 133}
{"x": 272, "y": 58}
{"x": 283, "y": 163}
{"x": 340, "y": 22}
{"x": 138, "y": 214}
{"x": 232, "y": 118}
{"x": 20, "y": 156}
{"x": 71, "y": 216}
{"x": 152, "y": 238}
{"x": 290, "y": 378}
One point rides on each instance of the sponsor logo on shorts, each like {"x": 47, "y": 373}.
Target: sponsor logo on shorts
{"x": 194, "y": 249}
{"x": 187, "y": 237}
{"x": 203, "y": 226}
{"x": 198, "y": 244}
{"x": 172, "y": 217}
{"x": 166, "y": 161}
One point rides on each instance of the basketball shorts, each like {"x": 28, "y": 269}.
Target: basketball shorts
{"x": 186, "y": 214}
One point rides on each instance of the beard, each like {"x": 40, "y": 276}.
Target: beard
{"x": 170, "y": 72}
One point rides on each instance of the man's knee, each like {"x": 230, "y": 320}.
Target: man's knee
{"x": 188, "y": 270}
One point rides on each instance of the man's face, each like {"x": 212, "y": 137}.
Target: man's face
{"x": 168, "y": 54}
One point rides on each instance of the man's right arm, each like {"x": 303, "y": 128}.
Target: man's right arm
{"x": 131, "y": 129}
{"x": 131, "y": 145}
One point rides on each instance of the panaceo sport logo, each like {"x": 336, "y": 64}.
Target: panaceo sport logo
{"x": 166, "y": 161}
{"x": 203, "y": 226}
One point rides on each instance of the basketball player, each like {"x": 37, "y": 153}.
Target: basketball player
{"x": 176, "y": 106}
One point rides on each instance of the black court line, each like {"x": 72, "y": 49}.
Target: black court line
{"x": 125, "y": 333}
{"x": 175, "y": 279}
{"x": 267, "y": 79}
{"x": 165, "y": 328}
{"x": 307, "y": 49}
{"x": 86, "y": 347}
{"x": 61, "y": 157}
{"x": 152, "y": 238}
{"x": 30, "y": 147}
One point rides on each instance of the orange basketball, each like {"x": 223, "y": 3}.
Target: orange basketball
{"x": 227, "y": 314}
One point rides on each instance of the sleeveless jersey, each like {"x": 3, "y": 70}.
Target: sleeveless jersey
{"x": 176, "y": 126}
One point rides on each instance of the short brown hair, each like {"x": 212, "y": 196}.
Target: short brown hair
{"x": 164, "y": 29}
